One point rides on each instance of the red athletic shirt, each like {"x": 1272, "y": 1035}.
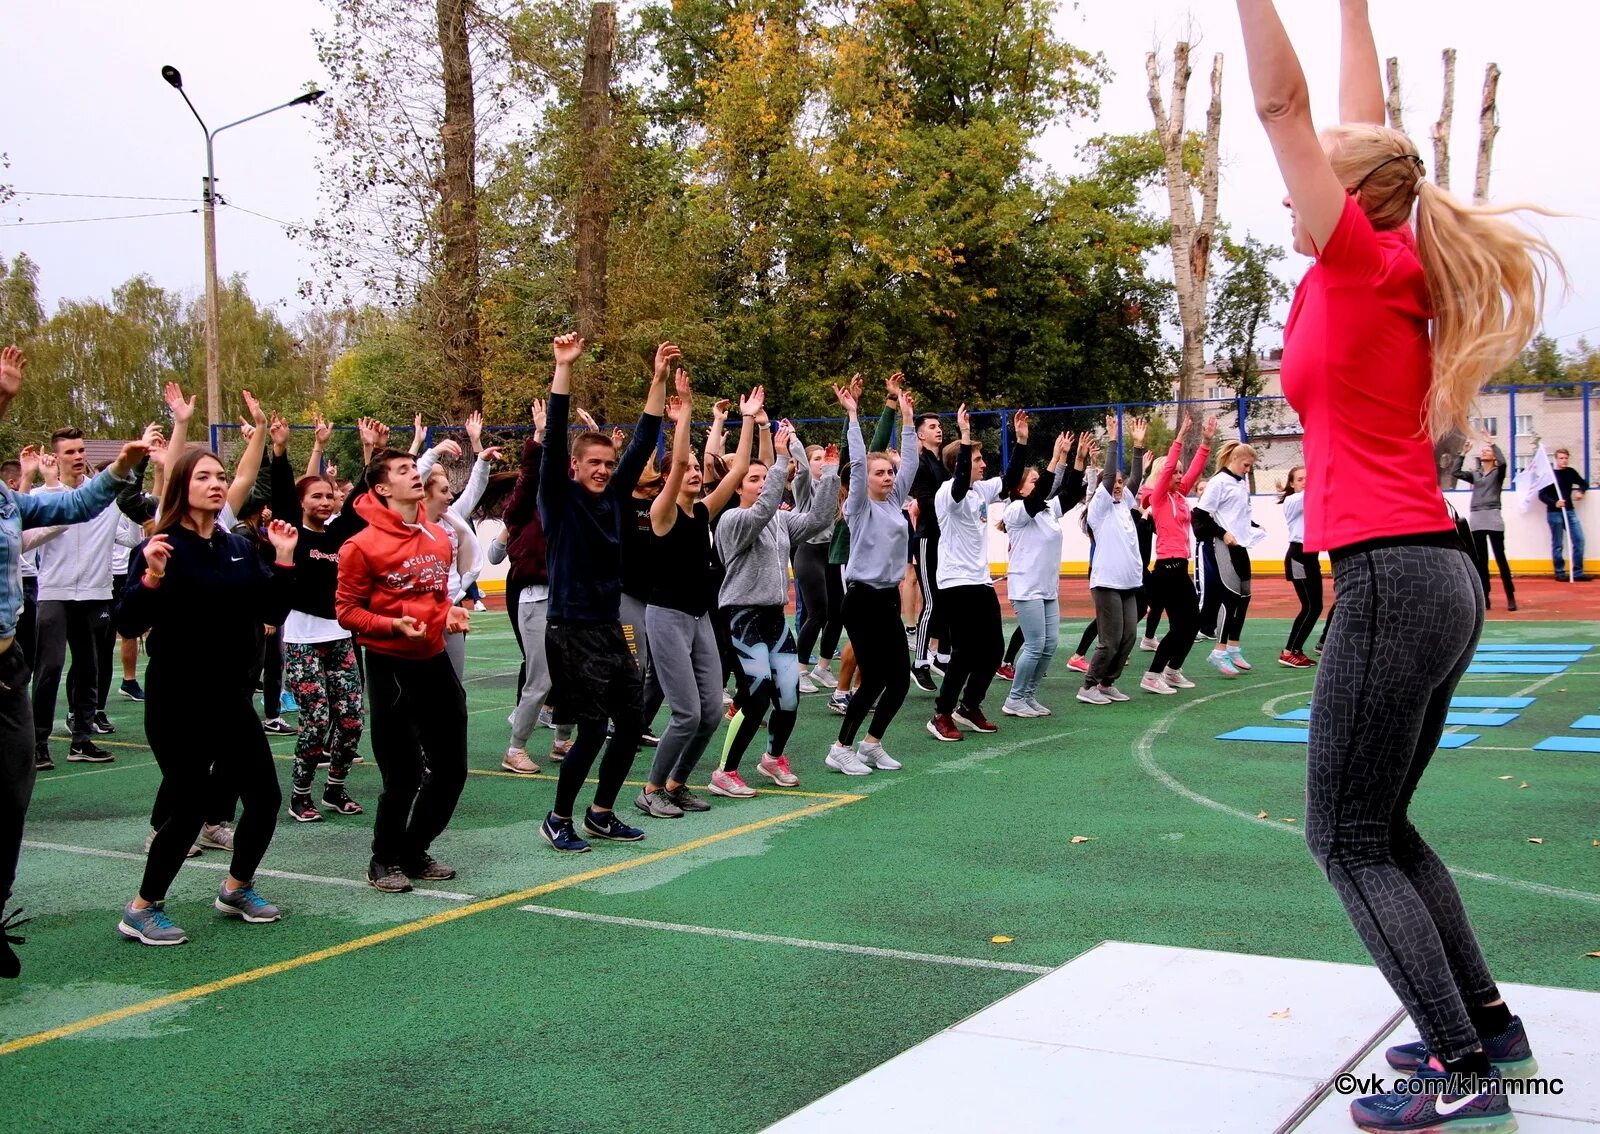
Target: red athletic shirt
{"x": 1357, "y": 366}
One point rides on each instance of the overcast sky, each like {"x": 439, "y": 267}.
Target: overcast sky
{"x": 87, "y": 112}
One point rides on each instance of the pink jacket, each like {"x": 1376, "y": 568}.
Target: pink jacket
{"x": 1169, "y": 505}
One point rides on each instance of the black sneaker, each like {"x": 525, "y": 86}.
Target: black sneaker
{"x": 88, "y": 752}
{"x": 41, "y": 759}
{"x": 9, "y": 965}
{"x": 336, "y": 797}
{"x": 130, "y": 689}
{"x": 102, "y": 724}
{"x": 389, "y": 879}
{"x": 687, "y": 800}
{"x": 923, "y": 676}
{"x": 560, "y": 835}
{"x": 302, "y": 810}
{"x": 429, "y": 869}
{"x": 606, "y": 825}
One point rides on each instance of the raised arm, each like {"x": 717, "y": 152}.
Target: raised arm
{"x": 680, "y": 410}
{"x": 1197, "y": 464}
{"x": 553, "y": 471}
{"x": 963, "y": 473}
{"x": 182, "y": 410}
{"x": 1283, "y": 103}
{"x": 855, "y": 449}
{"x": 739, "y": 527}
{"x": 642, "y": 447}
{"x": 803, "y": 489}
{"x": 909, "y": 452}
{"x": 818, "y": 516}
{"x": 1137, "y": 433}
{"x": 477, "y": 482}
{"x": 249, "y": 467}
{"x": 717, "y": 499}
{"x": 321, "y": 434}
{"x": 1360, "y": 84}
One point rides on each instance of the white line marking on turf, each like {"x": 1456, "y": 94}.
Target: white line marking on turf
{"x": 199, "y": 864}
{"x": 1142, "y": 749}
{"x": 45, "y": 778}
{"x": 487, "y": 676}
{"x": 796, "y": 942}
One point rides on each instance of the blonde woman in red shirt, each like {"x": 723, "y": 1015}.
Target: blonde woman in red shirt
{"x": 1393, "y": 332}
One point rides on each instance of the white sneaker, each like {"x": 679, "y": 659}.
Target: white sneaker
{"x": 806, "y": 684}
{"x": 1175, "y": 678}
{"x": 874, "y": 755}
{"x": 1016, "y": 707}
{"x": 1148, "y": 645}
{"x": 1114, "y": 693}
{"x": 843, "y": 758}
{"x": 1152, "y": 683}
{"x": 1038, "y": 709}
{"x": 1219, "y": 661}
{"x": 1236, "y": 656}
{"x": 823, "y": 676}
{"x": 217, "y": 836}
{"x": 479, "y": 605}
{"x": 1092, "y": 695}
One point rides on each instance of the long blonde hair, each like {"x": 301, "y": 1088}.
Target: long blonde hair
{"x": 1486, "y": 276}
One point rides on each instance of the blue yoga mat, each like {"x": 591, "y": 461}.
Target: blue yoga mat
{"x": 1514, "y": 647}
{"x": 1569, "y": 744}
{"x": 1270, "y": 734}
{"x": 1586, "y": 722}
{"x": 1482, "y": 720}
{"x": 1522, "y": 659}
{"x": 1490, "y": 702}
{"x": 1476, "y": 667}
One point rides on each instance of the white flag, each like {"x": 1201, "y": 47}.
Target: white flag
{"x": 1539, "y": 473}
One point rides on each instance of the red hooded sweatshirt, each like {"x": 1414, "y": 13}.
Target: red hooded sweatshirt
{"x": 391, "y": 569}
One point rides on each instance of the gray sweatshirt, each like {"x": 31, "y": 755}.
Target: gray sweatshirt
{"x": 879, "y": 534}
{"x": 805, "y": 488}
{"x": 1486, "y": 487}
{"x": 754, "y": 542}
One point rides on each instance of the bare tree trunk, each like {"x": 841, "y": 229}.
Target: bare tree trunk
{"x": 1393, "y": 102}
{"x": 594, "y": 190}
{"x": 1488, "y": 127}
{"x": 1441, "y": 128}
{"x": 1191, "y": 239}
{"x": 458, "y": 211}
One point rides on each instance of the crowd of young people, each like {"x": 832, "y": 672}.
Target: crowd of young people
{"x": 1435, "y": 308}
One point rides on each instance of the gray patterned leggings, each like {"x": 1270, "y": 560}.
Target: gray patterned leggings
{"x": 1404, "y": 629}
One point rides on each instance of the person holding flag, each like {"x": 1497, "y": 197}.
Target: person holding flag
{"x": 1560, "y": 493}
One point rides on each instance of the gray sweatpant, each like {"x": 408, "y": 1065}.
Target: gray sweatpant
{"x": 1117, "y": 615}
{"x": 536, "y": 671}
{"x": 683, "y": 648}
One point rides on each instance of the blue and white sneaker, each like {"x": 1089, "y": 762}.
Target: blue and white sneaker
{"x": 1508, "y": 1053}
{"x": 1486, "y": 1111}
{"x": 245, "y": 903}
{"x": 839, "y": 702}
{"x": 287, "y": 703}
{"x": 1236, "y": 656}
{"x": 150, "y": 926}
{"x": 606, "y": 825}
{"x": 560, "y": 835}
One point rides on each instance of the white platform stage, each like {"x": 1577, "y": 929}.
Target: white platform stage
{"x": 1150, "y": 1039}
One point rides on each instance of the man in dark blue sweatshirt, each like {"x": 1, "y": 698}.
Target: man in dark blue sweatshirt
{"x": 583, "y": 503}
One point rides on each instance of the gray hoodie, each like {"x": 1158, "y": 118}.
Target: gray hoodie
{"x": 754, "y": 542}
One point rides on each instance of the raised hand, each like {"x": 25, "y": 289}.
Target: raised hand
{"x": 588, "y": 420}
{"x": 680, "y": 382}
{"x": 847, "y": 397}
{"x": 257, "y": 414}
{"x": 182, "y": 410}
{"x": 132, "y": 453}
{"x": 785, "y": 435}
{"x": 448, "y": 448}
{"x": 1085, "y": 441}
{"x": 246, "y": 430}
{"x": 1113, "y": 427}
{"x": 12, "y": 363}
{"x": 719, "y": 410}
{"x": 152, "y": 437}
{"x": 964, "y": 422}
{"x": 367, "y": 428}
{"x": 1140, "y": 426}
{"x": 895, "y": 383}
{"x": 278, "y": 430}
{"x": 568, "y": 348}
{"x": 675, "y": 409}
{"x": 617, "y": 436}
{"x": 381, "y": 431}
{"x": 157, "y": 551}
{"x": 1209, "y": 429}
{"x": 1061, "y": 448}
{"x": 753, "y": 403}
{"x": 321, "y": 432}
{"x": 331, "y": 468}
{"x": 1188, "y": 423}
{"x": 1019, "y": 425}
{"x": 830, "y": 455}
{"x": 907, "y": 406}
{"x": 491, "y": 454}
{"x": 666, "y": 355}
{"x": 538, "y": 414}
{"x": 29, "y": 459}
{"x": 283, "y": 537}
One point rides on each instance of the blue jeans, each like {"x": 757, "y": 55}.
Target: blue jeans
{"x": 1558, "y": 538}
{"x": 1040, "y": 620}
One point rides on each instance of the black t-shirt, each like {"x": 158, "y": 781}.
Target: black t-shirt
{"x": 681, "y": 576}
{"x": 637, "y": 539}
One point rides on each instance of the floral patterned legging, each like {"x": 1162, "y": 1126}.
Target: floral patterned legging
{"x": 326, "y": 682}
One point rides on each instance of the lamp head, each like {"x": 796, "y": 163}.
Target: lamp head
{"x": 170, "y": 73}
{"x": 307, "y": 98}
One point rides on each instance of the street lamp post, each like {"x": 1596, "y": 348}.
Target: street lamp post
{"x": 209, "y": 200}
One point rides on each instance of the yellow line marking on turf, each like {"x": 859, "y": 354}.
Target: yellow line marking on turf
{"x": 443, "y": 917}
{"x": 45, "y": 778}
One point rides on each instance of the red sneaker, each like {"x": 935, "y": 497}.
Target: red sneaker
{"x": 1006, "y": 673}
{"x": 1081, "y": 664}
{"x": 943, "y": 728}
{"x": 1294, "y": 659}
{"x": 973, "y": 719}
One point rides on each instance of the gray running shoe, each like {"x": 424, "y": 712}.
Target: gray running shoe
{"x": 686, "y": 799}
{"x": 246, "y": 903}
{"x": 658, "y": 804}
{"x": 150, "y": 926}
{"x": 217, "y": 836}
{"x": 1114, "y": 693}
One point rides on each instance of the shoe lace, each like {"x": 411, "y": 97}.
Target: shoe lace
{"x": 158, "y": 917}
{"x": 736, "y": 778}
{"x": 783, "y": 763}
{"x": 12, "y": 922}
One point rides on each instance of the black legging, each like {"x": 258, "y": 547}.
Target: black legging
{"x": 828, "y": 644}
{"x": 1014, "y": 647}
{"x": 1483, "y": 542}
{"x": 872, "y": 619}
{"x": 1152, "y": 597}
{"x": 1172, "y": 590}
{"x": 1090, "y": 633}
{"x": 811, "y": 581}
{"x": 1408, "y": 620}
{"x": 1304, "y": 572}
{"x": 234, "y": 761}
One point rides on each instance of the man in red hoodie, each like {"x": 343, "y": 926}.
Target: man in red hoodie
{"x": 392, "y": 595}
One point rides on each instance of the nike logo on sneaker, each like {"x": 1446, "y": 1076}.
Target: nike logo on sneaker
{"x": 1445, "y": 1109}
{"x": 238, "y": 559}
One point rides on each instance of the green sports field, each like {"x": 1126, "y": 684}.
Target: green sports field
{"x": 839, "y": 923}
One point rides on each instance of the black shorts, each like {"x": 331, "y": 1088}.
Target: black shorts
{"x": 592, "y": 671}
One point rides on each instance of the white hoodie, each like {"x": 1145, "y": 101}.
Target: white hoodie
{"x": 76, "y": 565}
